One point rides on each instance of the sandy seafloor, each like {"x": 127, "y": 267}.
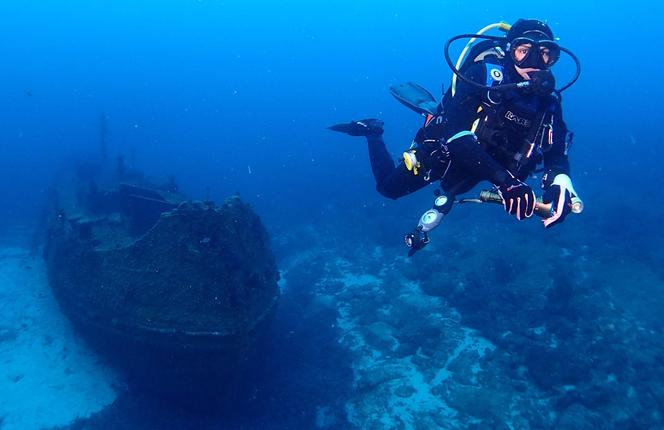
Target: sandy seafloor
{"x": 367, "y": 338}
{"x": 48, "y": 376}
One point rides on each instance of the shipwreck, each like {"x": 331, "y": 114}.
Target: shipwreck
{"x": 177, "y": 293}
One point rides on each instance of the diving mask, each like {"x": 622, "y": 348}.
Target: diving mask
{"x": 537, "y": 54}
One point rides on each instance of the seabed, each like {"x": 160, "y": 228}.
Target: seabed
{"x": 458, "y": 337}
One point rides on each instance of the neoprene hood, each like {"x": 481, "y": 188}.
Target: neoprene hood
{"x": 531, "y": 28}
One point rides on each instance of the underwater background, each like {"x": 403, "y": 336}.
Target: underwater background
{"x": 234, "y": 97}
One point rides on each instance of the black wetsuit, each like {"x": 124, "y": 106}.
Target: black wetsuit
{"x": 506, "y": 120}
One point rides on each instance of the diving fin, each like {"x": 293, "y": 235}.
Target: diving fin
{"x": 365, "y": 127}
{"x": 415, "y": 97}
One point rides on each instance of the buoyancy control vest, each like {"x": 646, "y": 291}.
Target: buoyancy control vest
{"x": 515, "y": 126}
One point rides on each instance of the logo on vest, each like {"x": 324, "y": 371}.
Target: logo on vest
{"x": 523, "y": 122}
{"x": 496, "y": 75}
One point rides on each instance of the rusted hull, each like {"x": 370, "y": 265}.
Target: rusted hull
{"x": 179, "y": 307}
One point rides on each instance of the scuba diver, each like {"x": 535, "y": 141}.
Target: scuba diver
{"x": 498, "y": 121}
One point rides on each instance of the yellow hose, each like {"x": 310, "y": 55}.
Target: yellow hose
{"x": 499, "y": 25}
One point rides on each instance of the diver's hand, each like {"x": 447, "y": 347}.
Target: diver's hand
{"x": 542, "y": 82}
{"x": 559, "y": 194}
{"x": 518, "y": 198}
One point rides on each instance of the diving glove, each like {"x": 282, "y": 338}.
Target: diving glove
{"x": 559, "y": 193}
{"x": 518, "y": 198}
{"x": 364, "y": 127}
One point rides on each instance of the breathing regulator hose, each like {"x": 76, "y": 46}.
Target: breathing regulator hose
{"x": 473, "y": 38}
{"x": 501, "y": 39}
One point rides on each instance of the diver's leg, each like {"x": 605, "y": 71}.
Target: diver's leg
{"x": 392, "y": 181}
{"x": 457, "y": 181}
{"x": 468, "y": 155}
{"x": 382, "y": 164}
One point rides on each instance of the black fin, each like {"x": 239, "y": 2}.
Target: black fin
{"x": 415, "y": 97}
{"x": 365, "y": 127}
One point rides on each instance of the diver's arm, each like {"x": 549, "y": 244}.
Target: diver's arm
{"x": 460, "y": 112}
{"x": 556, "y": 181}
{"x": 451, "y": 127}
{"x": 465, "y": 150}
{"x": 555, "y": 158}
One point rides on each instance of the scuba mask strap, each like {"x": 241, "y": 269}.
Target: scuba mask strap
{"x": 502, "y": 87}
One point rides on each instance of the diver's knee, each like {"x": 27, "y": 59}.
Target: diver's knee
{"x": 387, "y": 192}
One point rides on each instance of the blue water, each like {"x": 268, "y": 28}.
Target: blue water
{"x": 234, "y": 97}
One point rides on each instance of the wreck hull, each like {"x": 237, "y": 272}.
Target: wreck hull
{"x": 205, "y": 374}
{"x": 182, "y": 307}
